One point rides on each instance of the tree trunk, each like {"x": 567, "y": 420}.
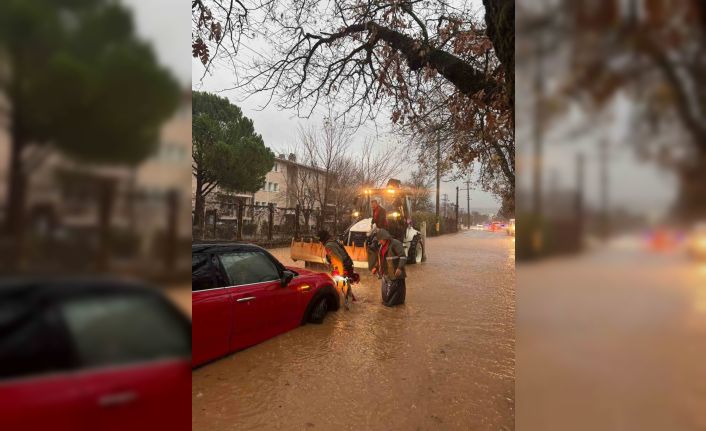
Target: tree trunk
{"x": 691, "y": 201}
{"x": 172, "y": 230}
{"x": 438, "y": 176}
{"x": 199, "y": 207}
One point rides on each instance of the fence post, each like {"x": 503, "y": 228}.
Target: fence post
{"x": 335, "y": 220}
{"x": 297, "y": 210}
{"x": 239, "y": 234}
{"x": 171, "y": 237}
{"x": 270, "y": 220}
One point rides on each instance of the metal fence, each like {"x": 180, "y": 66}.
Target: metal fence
{"x": 270, "y": 224}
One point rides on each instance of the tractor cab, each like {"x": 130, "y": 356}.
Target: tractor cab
{"x": 359, "y": 238}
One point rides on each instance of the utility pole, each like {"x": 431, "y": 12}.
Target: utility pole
{"x": 537, "y": 160}
{"x": 456, "y": 209}
{"x": 605, "y": 225}
{"x": 468, "y": 202}
{"x": 579, "y": 196}
{"x": 446, "y": 197}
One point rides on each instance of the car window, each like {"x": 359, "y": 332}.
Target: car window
{"x": 120, "y": 329}
{"x": 30, "y": 341}
{"x": 202, "y": 273}
{"x": 248, "y": 267}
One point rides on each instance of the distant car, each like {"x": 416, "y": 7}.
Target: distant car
{"x": 82, "y": 354}
{"x": 496, "y": 226}
{"x": 242, "y": 295}
{"x": 663, "y": 239}
{"x": 696, "y": 242}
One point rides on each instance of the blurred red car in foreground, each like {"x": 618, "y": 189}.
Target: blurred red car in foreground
{"x": 92, "y": 355}
{"x": 242, "y": 295}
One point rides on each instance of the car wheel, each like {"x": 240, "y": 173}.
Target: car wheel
{"x": 319, "y": 310}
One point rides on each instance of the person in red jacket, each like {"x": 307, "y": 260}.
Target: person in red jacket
{"x": 379, "y": 215}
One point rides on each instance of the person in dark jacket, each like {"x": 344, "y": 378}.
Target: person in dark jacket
{"x": 341, "y": 263}
{"x": 379, "y": 215}
{"x": 336, "y": 255}
{"x": 390, "y": 266}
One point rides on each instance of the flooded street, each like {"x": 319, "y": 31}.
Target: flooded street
{"x": 612, "y": 340}
{"x": 444, "y": 360}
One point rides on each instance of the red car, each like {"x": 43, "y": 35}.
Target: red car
{"x": 242, "y": 295}
{"x": 92, "y": 354}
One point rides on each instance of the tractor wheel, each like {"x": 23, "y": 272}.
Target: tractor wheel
{"x": 416, "y": 251}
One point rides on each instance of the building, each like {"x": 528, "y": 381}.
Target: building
{"x": 66, "y": 197}
{"x": 287, "y": 185}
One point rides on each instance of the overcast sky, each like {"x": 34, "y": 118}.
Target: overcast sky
{"x": 165, "y": 26}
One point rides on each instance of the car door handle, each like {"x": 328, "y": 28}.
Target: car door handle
{"x": 117, "y": 399}
{"x": 249, "y": 298}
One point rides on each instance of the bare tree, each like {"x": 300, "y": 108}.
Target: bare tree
{"x": 419, "y": 185}
{"x": 650, "y": 52}
{"x": 377, "y": 164}
{"x": 300, "y": 184}
{"x": 371, "y": 57}
{"x": 324, "y": 149}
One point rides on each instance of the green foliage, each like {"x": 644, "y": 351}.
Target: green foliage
{"x": 226, "y": 149}
{"x": 83, "y": 81}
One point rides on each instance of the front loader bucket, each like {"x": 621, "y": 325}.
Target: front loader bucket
{"x": 359, "y": 255}
{"x": 310, "y": 250}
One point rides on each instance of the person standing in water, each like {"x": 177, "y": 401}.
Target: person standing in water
{"x": 390, "y": 267}
{"x": 340, "y": 262}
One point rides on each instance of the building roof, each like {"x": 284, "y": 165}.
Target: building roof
{"x": 295, "y": 163}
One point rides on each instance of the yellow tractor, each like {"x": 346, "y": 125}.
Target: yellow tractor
{"x": 359, "y": 238}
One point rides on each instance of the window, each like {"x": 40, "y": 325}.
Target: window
{"x": 248, "y": 268}
{"x": 123, "y": 329}
{"x": 276, "y": 168}
{"x": 31, "y": 342}
{"x": 202, "y": 273}
{"x": 269, "y": 187}
{"x": 276, "y": 187}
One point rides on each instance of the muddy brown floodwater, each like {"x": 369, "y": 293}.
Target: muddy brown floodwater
{"x": 444, "y": 360}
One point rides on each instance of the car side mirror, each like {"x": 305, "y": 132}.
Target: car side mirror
{"x": 287, "y": 277}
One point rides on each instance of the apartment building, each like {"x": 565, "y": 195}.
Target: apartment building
{"x": 287, "y": 184}
{"x": 64, "y": 195}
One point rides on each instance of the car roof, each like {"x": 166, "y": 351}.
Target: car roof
{"x": 224, "y": 247}
{"x": 62, "y": 285}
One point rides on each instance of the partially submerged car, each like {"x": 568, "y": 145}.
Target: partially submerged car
{"x": 88, "y": 354}
{"x": 242, "y": 295}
